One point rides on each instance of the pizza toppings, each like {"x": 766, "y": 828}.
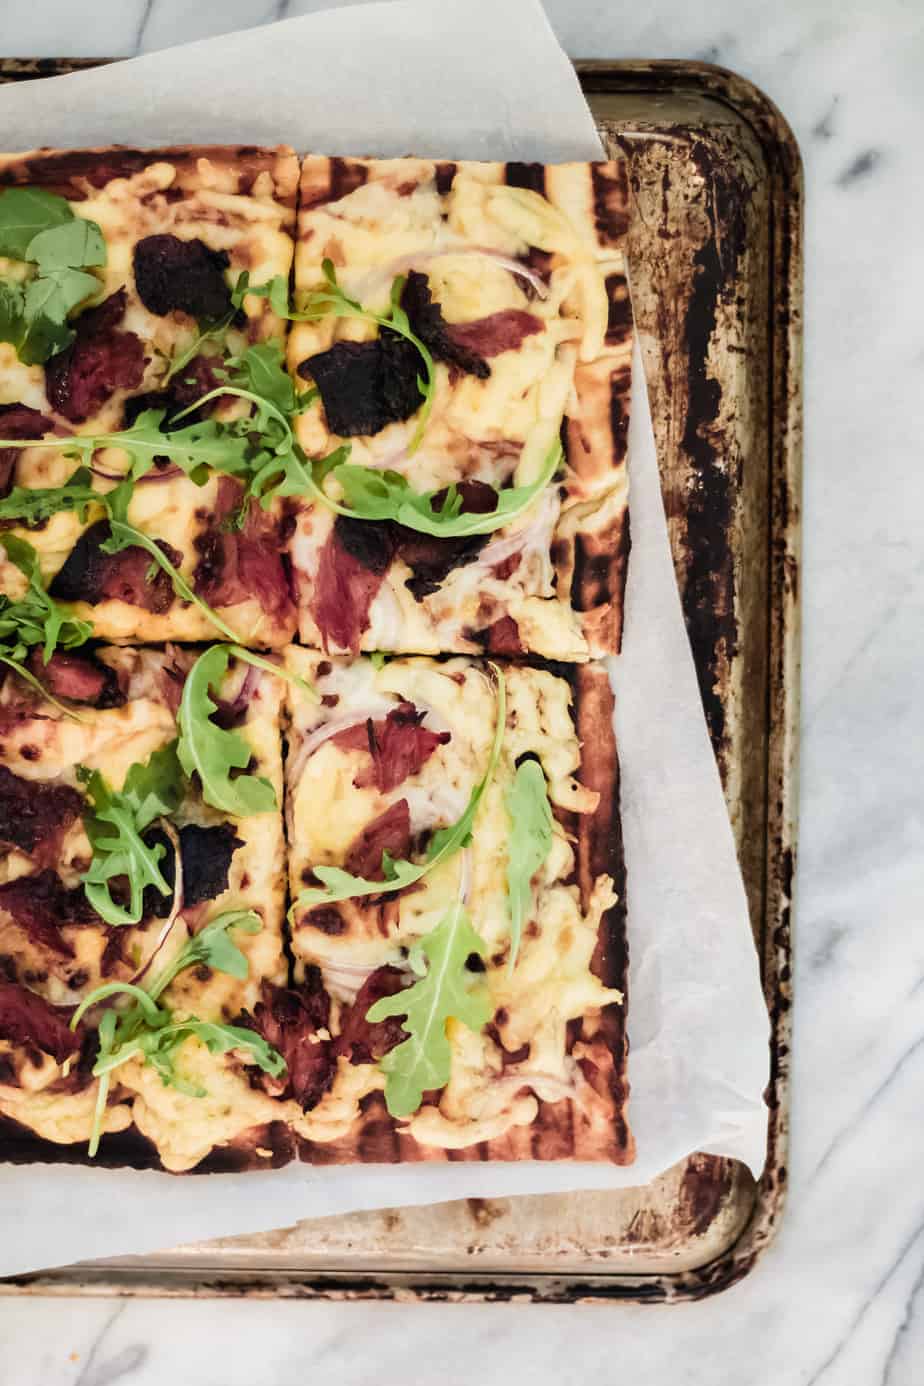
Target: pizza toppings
{"x": 42, "y": 905}
{"x": 197, "y": 378}
{"x": 18, "y": 421}
{"x": 239, "y": 563}
{"x": 498, "y": 332}
{"x": 364, "y": 386}
{"x": 398, "y": 746}
{"x": 431, "y": 559}
{"x": 294, "y": 1021}
{"x": 205, "y": 854}
{"x": 101, "y": 359}
{"x": 90, "y": 575}
{"x": 26, "y": 1018}
{"x": 363, "y": 1041}
{"x": 426, "y": 318}
{"x": 351, "y": 569}
{"x": 390, "y": 832}
{"x": 35, "y": 813}
{"x": 80, "y": 678}
{"x": 184, "y": 275}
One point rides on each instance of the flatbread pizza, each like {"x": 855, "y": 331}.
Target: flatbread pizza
{"x": 358, "y": 898}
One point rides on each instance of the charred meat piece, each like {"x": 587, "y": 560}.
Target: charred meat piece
{"x": 90, "y": 575}
{"x": 18, "y": 421}
{"x": 363, "y": 1041}
{"x": 366, "y": 385}
{"x": 42, "y": 904}
{"x": 206, "y": 855}
{"x": 100, "y": 360}
{"x": 398, "y": 746}
{"x": 290, "y": 1020}
{"x": 34, "y": 814}
{"x": 390, "y": 832}
{"x": 351, "y": 569}
{"x": 25, "y": 1018}
{"x": 80, "y": 678}
{"x": 185, "y": 275}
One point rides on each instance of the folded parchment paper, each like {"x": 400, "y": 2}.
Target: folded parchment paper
{"x": 460, "y": 79}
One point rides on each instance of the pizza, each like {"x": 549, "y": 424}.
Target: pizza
{"x": 174, "y": 230}
{"x": 512, "y": 278}
{"x": 455, "y": 796}
{"x": 113, "y": 863}
{"x": 313, "y": 524}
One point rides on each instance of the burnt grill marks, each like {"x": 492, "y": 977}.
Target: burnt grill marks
{"x": 531, "y": 176}
{"x": 443, "y": 177}
{"x": 708, "y": 594}
{"x": 345, "y": 177}
{"x": 611, "y": 200}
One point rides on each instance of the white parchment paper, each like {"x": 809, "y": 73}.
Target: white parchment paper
{"x": 459, "y": 79}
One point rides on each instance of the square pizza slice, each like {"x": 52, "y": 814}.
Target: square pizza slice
{"x": 142, "y": 886}
{"x": 457, "y": 921}
{"x": 466, "y": 332}
{"x": 129, "y": 366}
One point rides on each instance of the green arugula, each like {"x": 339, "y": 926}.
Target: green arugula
{"x": 40, "y": 228}
{"x": 211, "y": 752}
{"x": 340, "y": 885}
{"x": 529, "y": 843}
{"x": 446, "y": 990}
{"x": 34, "y": 506}
{"x": 148, "y": 1031}
{"x": 385, "y": 495}
{"x": 330, "y": 301}
{"x": 115, "y": 825}
{"x": 35, "y": 619}
{"x": 208, "y": 332}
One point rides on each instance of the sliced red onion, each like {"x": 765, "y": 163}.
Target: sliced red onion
{"x": 249, "y": 685}
{"x": 425, "y": 257}
{"x": 537, "y": 534}
{"x": 161, "y": 474}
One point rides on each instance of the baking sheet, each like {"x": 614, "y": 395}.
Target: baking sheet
{"x": 686, "y": 940}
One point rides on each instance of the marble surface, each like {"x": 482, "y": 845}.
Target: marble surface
{"x": 838, "y": 1301}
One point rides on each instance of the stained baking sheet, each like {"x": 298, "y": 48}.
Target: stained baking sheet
{"x": 715, "y": 256}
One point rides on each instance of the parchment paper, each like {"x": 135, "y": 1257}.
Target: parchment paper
{"x": 470, "y": 79}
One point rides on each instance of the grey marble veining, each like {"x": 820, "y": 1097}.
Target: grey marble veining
{"x": 839, "y": 1301}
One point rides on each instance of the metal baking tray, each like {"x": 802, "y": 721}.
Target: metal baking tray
{"x": 716, "y": 261}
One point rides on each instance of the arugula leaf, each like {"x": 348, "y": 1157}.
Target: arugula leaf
{"x": 208, "y": 332}
{"x": 447, "y": 991}
{"x": 148, "y": 1031}
{"x": 24, "y": 213}
{"x": 211, "y": 752}
{"x": 340, "y": 885}
{"x": 276, "y": 290}
{"x": 40, "y": 228}
{"x": 529, "y": 843}
{"x": 36, "y": 618}
{"x": 46, "y": 304}
{"x": 115, "y": 825}
{"x": 35, "y": 506}
{"x": 385, "y": 495}
{"x": 73, "y": 244}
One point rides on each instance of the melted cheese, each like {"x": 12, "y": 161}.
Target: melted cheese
{"x": 255, "y": 230}
{"x": 498, "y": 429}
{"x": 553, "y": 982}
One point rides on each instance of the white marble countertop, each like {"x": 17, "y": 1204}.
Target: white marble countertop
{"x": 838, "y": 1300}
